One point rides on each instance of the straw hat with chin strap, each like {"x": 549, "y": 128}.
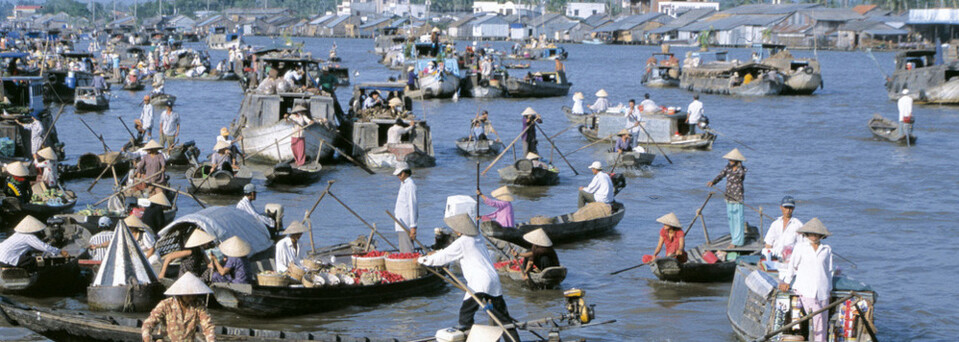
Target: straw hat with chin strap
{"x": 300, "y": 108}
{"x": 602, "y": 93}
{"x": 538, "y": 237}
{"x": 502, "y": 194}
{"x": 198, "y": 238}
{"x": 462, "y": 224}
{"x": 188, "y": 285}
{"x": 295, "y": 228}
{"x": 48, "y": 154}
{"x": 670, "y": 220}
{"x": 29, "y": 225}
{"x": 152, "y": 144}
{"x": 235, "y": 247}
{"x": 814, "y": 226}
{"x": 17, "y": 169}
{"x": 160, "y": 199}
{"x": 735, "y": 155}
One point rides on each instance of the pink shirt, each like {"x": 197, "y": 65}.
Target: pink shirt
{"x": 503, "y": 214}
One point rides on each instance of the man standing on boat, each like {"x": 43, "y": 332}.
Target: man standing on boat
{"x": 406, "y": 208}
{"x": 633, "y": 118}
{"x": 169, "y": 126}
{"x": 246, "y": 204}
{"x": 810, "y": 270}
{"x": 530, "y": 120}
{"x": 146, "y": 117}
{"x": 905, "y": 113}
{"x": 735, "y": 173}
{"x": 600, "y": 189}
{"x": 782, "y": 235}
{"x": 694, "y": 113}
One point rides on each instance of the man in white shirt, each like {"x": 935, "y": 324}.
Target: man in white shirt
{"x": 633, "y": 118}
{"x": 905, "y": 112}
{"x": 13, "y": 250}
{"x": 146, "y": 117}
{"x": 293, "y": 76}
{"x": 812, "y": 269}
{"x": 394, "y": 135}
{"x": 406, "y": 208}
{"x": 600, "y": 189}
{"x": 648, "y": 105}
{"x": 694, "y": 113}
{"x": 481, "y": 278}
{"x": 782, "y": 235}
{"x": 288, "y": 249}
{"x": 246, "y": 204}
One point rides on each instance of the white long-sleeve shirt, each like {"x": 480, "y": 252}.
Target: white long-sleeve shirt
{"x": 695, "y": 112}
{"x": 601, "y": 187}
{"x": 49, "y": 176}
{"x": 649, "y": 106}
{"x": 395, "y": 134}
{"x": 19, "y": 243}
{"x": 287, "y": 252}
{"x": 146, "y": 117}
{"x": 475, "y": 262}
{"x": 407, "y": 207}
{"x": 247, "y": 206}
{"x": 812, "y": 270}
{"x": 601, "y": 105}
{"x": 578, "y": 106}
{"x": 905, "y": 107}
{"x": 781, "y": 237}
{"x": 632, "y": 118}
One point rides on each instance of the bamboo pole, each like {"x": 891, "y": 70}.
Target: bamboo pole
{"x": 506, "y": 149}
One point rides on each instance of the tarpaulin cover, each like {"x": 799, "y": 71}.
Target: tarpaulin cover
{"x": 124, "y": 263}
{"x": 224, "y": 223}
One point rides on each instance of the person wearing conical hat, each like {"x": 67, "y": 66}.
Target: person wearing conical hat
{"x": 671, "y": 236}
{"x": 735, "y": 173}
{"x": 143, "y": 235}
{"x": 530, "y": 121}
{"x": 624, "y": 143}
{"x": 146, "y": 117}
{"x": 182, "y": 313}
{"x": 600, "y": 189}
{"x": 153, "y": 209}
{"x": 46, "y": 161}
{"x": 602, "y": 103}
{"x": 152, "y": 165}
{"x": 193, "y": 259}
{"x": 222, "y": 159}
{"x": 536, "y": 160}
{"x": 246, "y": 204}
{"x": 236, "y": 268}
{"x": 169, "y": 126}
{"x": 578, "y": 104}
{"x": 411, "y": 78}
{"x": 300, "y": 118}
{"x": 540, "y": 254}
{"x": 782, "y": 235}
{"x": 17, "y": 185}
{"x": 288, "y": 249}
{"x": 14, "y": 250}
{"x": 809, "y": 273}
{"x": 501, "y": 200}
{"x": 470, "y": 250}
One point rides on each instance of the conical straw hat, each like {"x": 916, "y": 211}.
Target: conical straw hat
{"x": 462, "y": 224}
{"x": 502, "y": 194}
{"x": 295, "y": 228}
{"x": 484, "y": 333}
{"x": 221, "y": 145}
{"x": 135, "y": 222}
{"x": 670, "y": 220}
{"x": 235, "y": 247}
{"x": 578, "y": 96}
{"x": 814, "y": 226}
{"x": 48, "y": 154}
{"x": 396, "y": 102}
{"x": 300, "y": 108}
{"x": 529, "y": 111}
{"x": 623, "y": 132}
{"x": 160, "y": 198}
{"x": 538, "y": 237}
{"x": 17, "y": 169}
{"x": 152, "y": 145}
{"x": 532, "y": 155}
{"x": 28, "y": 225}
{"x": 735, "y": 155}
{"x": 188, "y": 285}
{"x": 602, "y": 93}
{"x": 198, "y": 238}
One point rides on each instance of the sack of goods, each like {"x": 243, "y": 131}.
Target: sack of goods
{"x": 592, "y": 211}
{"x": 542, "y": 220}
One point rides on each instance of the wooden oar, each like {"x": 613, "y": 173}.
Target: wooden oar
{"x": 805, "y": 318}
{"x": 557, "y": 150}
{"x": 654, "y": 144}
{"x": 505, "y": 149}
{"x": 95, "y": 134}
{"x": 108, "y": 168}
{"x": 564, "y": 130}
{"x": 142, "y": 180}
{"x": 627, "y": 269}
{"x": 344, "y": 154}
{"x": 595, "y": 142}
{"x": 52, "y": 125}
{"x": 712, "y": 130}
{"x": 361, "y": 219}
{"x": 198, "y": 201}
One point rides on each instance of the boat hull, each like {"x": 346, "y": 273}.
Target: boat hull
{"x": 479, "y": 147}
{"x": 888, "y": 130}
{"x": 518, "y": 88}
{"x": 63, "y": 279}
{"x": 629, "y": 160}
{"x": 438, "y": 86}
{"x": 931, "y": 84}
{"x": 721, "y": 86}
{"x": 91, "y": 104}
{"x": 550, "y": 278}
{"x": 219, "y": 182}
{"x": 125, "y": 298}
{"x": 389, "y": 160}
{"x": 700, "y": 141}
{"x": 259, "y": 142}
{"x": 529, "y": 177}
{"x": 289, "y": 174}
{"x": 561, "y": 232}
{"x": 801, "y": 83}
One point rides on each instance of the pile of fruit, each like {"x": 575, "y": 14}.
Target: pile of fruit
{"x": 371, "y": 254}
{"x": 54, "y": 197}
{"x": 367, "y": 277}
{"x": 91, "y": 211}
{"x": 513, "y": 265}
{"x": 403, "y": 256}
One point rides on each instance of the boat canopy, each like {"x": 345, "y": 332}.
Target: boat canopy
{"x": 224, "y": 223}
{"x": 76, "y": 54}
{"x": 13, "y": 54}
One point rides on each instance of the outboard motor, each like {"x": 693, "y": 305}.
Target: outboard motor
{"x": 619, "y": 182}
{"x": 275, "y": 211}
{"x": 576, "y": 306}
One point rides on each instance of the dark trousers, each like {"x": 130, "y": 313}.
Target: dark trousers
{"x": 469, "y": 307}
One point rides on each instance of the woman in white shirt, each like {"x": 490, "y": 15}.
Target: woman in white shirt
{"x": 46, "y": 161}
{"x": 810, "y": 270}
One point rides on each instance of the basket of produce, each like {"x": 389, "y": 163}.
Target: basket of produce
{"x": 367, "y": 277}
{"x": 271, "y": 278}
{"x": 296, "y": 272}
{"x": 311, "y": 264}
{"x": 405, "y": 265}
{"x": 511, "y": 266}
{"x": 373, "y": 260}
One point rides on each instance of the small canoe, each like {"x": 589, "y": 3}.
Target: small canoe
{"x": 523, "y": 173}
{"x": 550, "y": 278}
{"x": 159, "y": 100}
{"x": 629, "y": 160}
{"x": 90, "y": 165}
{"x": 219, "y": 182}
{"x": 54, "y": 276}
{"x": 574, "y": 118}
{"x": 889, "y": 130}
{"x": 697, "y": 270}
{"x": 479, "y": 147}
{"x": 290, "y": 174}
{"x": 13, "y": 210}
{"x": 561, "y": 229}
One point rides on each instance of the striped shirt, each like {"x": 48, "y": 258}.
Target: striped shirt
{"x": 19, "y": 243}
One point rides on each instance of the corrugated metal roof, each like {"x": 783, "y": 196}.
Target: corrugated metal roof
{"x": 337, "y": 21}
{"x": 832, "y": 14}
{"x": 732, "y": 22}
{"x": 374, "y": 22}
{"x": 934, "y": 16}
{"x": 769, "y": 9}
{"x": 463, "y": 20}
{"x": 628, "y": 23}
{"x": 490, "y": 20}
{"x": 322, "y": 19}
{"x": 684, "y": 19}
{"x": 597, "y": 20}
{"x": 544, "y": 19}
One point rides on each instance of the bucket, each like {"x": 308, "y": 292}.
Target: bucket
{"x": 408, "y": 268}
{"x": 272, "y": 279}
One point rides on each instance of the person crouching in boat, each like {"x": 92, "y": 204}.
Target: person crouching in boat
{"x": 782, "y": 237}
{"x": 600, "y": 189}
{"x": 14, "y": 251}
{"x": 810, "y": 271}
{"x": 481, "y": 278}
{"x": 537, "y": 163}
{"x": 222, "y": 159}
{"x": 194, "y": 261}
{"x": 236, "y": 268}
{"x": 504, "y": 209}
{"x": 540, "y": 255}
{"x": 288, "y": 249}
{"x": 673, "y": 237}
{"x": 182, "y": 312}
{"x": 46, "y": 161}
{"x": 624, "y": 143}
{"x": 18, "y": 186}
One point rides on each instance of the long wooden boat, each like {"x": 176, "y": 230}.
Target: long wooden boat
{"x": 41, "y": 211}
{"x": 441, "y": 84}
{"x": 550, "y": 278}
{"x": 90, "y": 99}
{"x": 90, "y": 165}
{"x": 756, "y": 308}
{"x": 219, "y": 182}
{"x": 471, "y": 87}
{"x": 159, "y": 101}
{"x": 54, "y": 276}
{"x": 562, "y": 230}
{"x": 268, "y": 301}
{"x": 629, "y": 160}
{"x": 541, "y": 84}
{"x": 575, "y": 118}
{"x": 802, "y": 76}
{"x": 290, "y": 174}
{"x": 697, "y": 270}
{"x": 134, "y": 86}
{"x": 523, "y": 173}
{"x": 662, "y": 74}
{"x": 927, "y": 82}
{"x": 887, "y": 129}
{"x": 709, "y": 72}
{"x": 699, "y": 141}
{"x": 479, "y": 147}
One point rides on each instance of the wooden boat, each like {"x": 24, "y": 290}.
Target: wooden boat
{"x": 539, "y": 84}
{"x": 159, "y": 101}
{"x": 516, "y": 65}
{"x": 697, "y": 270}
{"x": 367, "y": 138}
{"x": 290, "y": 174}
{"x": 661, "y": 75}
{"x": 219, "y": 182}
{"x": 575, "y": 118}
{"x": 927, "y": 82}
{"x": 268, "y": 301}
{"x": 90, "y": 99}
{"x": 550, "y": 278}
{"x": 660, "y": 130}
{"x": 62, "y": 83}
{"x": 802, "y": 75}
{"x": 522, "y": 172}
{"x": 562, "y": 230}
{"x": 13, "y": 210}
{"x": 629, "y": 160}
{"x": 889, "y": 130}
{"x": 472, "y": 87}
{"x": 479, "y": 147}
{"x": 726, "y": 78}
{"x": 440, "y": 84}
{"x": 54, "y": 276}
{"x": 90, "y": 165}
{"x": 541, "y": 53}
{"x": 133, "y": 86}
{"x": 182, "y": 154}
{"x": 756, "y": 308}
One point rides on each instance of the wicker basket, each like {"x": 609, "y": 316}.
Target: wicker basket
{"x": 307, "y": 280}
{"x": 374, "y": 264}
{"x": 408, "y": 268}
{"x": 540, "y": 220}
{"x": 296, "y": 272}
{"x": 592, "y": 211}
{"x": 280, "y": 280}
{"x": 311, "y": 265}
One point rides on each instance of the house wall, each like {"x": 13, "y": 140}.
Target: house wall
{"x": 584, "y": 9}
{"x": 491, "y": 30}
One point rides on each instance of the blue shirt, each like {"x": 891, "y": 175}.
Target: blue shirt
{"x": 624, "y": 146}
{"x": 239, "y": 272}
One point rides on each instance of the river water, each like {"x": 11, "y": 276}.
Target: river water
{"x": 875, "y": 197}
